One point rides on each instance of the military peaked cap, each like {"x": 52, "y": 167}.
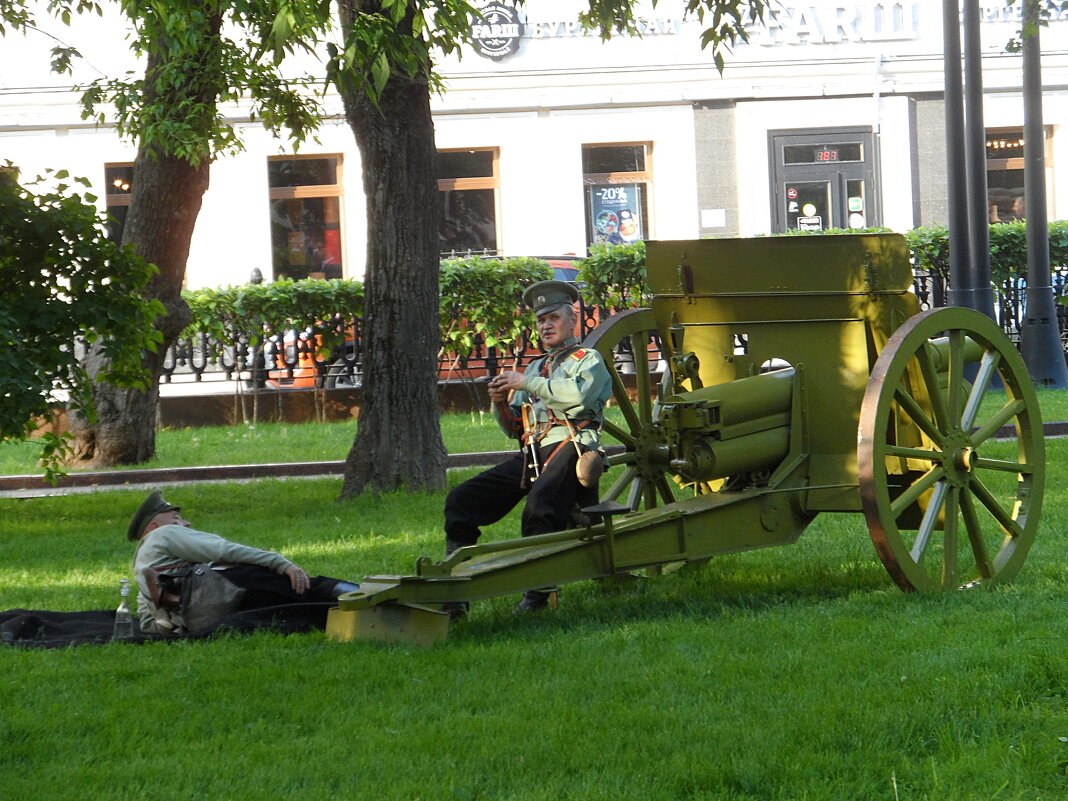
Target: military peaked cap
{"x": 149, "y": 508}
{"x": 545, "y": 296}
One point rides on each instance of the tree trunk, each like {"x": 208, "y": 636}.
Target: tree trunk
{"x": 398, "y": 443}
{"x": 165, "y": 199}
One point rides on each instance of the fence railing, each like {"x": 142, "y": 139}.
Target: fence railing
{"x": 296, "y": 358}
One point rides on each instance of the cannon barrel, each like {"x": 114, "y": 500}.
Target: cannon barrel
{"x": 737, "y": 427}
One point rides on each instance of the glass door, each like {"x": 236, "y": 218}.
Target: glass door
{"x": 822, "y": 180}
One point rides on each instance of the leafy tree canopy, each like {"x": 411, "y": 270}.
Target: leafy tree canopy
{"x": 63, "y": 283}
{"x": 202, "y": 53}
{"x": 383, "y": 37}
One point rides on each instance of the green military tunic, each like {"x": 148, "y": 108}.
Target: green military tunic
{"x": 568, "y": 383}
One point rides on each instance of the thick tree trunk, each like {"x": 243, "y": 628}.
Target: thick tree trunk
{"x": 164, "y": 203}
{"x": 398, "y": 443}
{"x": 165, "y": 199}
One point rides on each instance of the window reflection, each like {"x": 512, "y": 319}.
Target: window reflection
{"x": 467, "y": 186}
{"x": 468, "y": 220}
{"x": 306, "y": 238}
{"x": 305, "y": 212}
{"x": 1005, "y": 173}
{"x": 118, "y": 182}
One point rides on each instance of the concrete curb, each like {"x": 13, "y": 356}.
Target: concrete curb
{"x": 28, "y": 486}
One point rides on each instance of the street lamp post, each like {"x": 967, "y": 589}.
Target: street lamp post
{"x": 1040, "y": 333}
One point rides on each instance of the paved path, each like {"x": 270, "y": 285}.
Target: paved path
{"x": 29, "y": 486}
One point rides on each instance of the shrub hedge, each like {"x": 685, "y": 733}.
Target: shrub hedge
{"x": 479, "y": 295}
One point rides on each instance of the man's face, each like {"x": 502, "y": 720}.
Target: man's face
{"x": 172, "y": 517}
{"x": 555, "y": 326}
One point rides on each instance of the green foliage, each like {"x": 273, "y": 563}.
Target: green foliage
{"x": 480, "y": 296}
{"x": 875, "y": 229}
{"x": 249, "y": 311}
{"x": 200, "y": 55}
{"x": 929, "y": 246}
{"x": 614, "y": 276}
{"x": 387, "y": 37}
{"x": 62, "y": 282}
{"x": 728, "y": 20}
{"x": 1008, "y": 248}
{"x": 14, "y": 14}
{"x": 1036, "y": 15}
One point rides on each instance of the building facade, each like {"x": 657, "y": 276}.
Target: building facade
{"x": 550, "y": 140}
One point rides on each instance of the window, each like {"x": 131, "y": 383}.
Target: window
{"x": 468, "y": 183}
{"x": 616, "y": 180}
{"x": 119, "y": 179}
{"x": 1005, "y": 172}
{"x": 305, "y": 208}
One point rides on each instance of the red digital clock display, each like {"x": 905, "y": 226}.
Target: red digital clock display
{"x": 826, "y": 155}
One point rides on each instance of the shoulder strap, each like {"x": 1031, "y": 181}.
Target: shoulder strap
{"x": 556, "y": 359}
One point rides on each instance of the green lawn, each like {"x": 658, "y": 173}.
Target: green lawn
{"x": 785, "y": 674}
{"x": 265, "y": 443}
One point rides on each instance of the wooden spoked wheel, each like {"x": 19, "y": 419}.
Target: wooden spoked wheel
{"x": 643, "y": 483}
{"x": 951, "y": 500}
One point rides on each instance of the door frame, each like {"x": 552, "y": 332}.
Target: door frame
{"x": 779, "y": 173}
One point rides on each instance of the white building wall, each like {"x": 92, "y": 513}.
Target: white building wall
{"x": 819, "y": 64}
{"x": 541, "y": 199}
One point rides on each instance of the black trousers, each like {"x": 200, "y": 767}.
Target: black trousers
{"x": 491, "y": 495}
{"x": 263, "y": 587}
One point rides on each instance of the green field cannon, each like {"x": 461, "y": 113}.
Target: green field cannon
{"x": 774, "y": 379}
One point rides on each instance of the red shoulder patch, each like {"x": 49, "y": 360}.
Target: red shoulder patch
{"x": 578, "y": 354}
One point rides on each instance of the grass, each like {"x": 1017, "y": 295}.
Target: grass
{"x": 265, "y": 443}
{"x": 778, "y": 675}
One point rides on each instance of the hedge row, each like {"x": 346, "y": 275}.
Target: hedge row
{"x": 478, "y": 295}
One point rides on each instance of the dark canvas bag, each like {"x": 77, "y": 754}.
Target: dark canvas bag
{"x": 202, "y": 596}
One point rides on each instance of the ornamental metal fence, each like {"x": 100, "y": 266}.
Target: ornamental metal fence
{"x": 297, "y": 358}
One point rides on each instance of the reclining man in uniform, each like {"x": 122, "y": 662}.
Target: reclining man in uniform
{"x": 555, "y": 408}
{"x": 166, "y": 541}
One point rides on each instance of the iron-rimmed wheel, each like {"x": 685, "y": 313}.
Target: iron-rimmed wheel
{"x": 948, "y": 506}
{"x": 644, "y": 476}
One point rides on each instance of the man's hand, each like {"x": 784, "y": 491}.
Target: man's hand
{"x": 505, "y": 382}
{"x": 298, "y": 579}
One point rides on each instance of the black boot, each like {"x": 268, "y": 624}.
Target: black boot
{"x": 452, "y": 545}
{"x": 343, "y": 587}
{"x": 536, "y": 601}
{"x": 456, "y": 610}
{"x": 328, "y": 592}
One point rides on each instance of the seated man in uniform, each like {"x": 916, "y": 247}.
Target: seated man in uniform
{"x": 555, "y": 408}
{"x": 165, "y": 540}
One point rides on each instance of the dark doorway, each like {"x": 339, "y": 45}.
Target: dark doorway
{"x": 823, "y": 178}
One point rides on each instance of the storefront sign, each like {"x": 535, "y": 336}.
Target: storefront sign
{"x": 837, "y": 23}
{"x": 495, "y": 33}
{"x": 571, "y": 28}
{"x": 497, "y": 30}
{"x": 1000, "y": 12}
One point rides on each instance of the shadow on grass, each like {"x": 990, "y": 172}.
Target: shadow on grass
{"x": 693, "y": 594}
